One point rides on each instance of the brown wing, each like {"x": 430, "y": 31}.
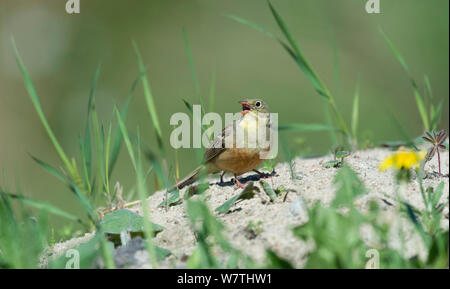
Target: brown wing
{"x": 217, "y": 146}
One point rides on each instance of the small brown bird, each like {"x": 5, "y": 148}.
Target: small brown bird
{"x": 236, "y": 160}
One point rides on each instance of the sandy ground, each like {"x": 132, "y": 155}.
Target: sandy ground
{"x": 313, "y": 183}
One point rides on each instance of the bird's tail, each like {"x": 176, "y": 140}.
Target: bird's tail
{"x": 189, "y": 179}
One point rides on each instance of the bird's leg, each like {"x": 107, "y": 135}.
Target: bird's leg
{"x": 238, "y": 183}
{"x": 439, "y": 162}
{"x": 262, "y": 175}
{"x": 221, "y": 177}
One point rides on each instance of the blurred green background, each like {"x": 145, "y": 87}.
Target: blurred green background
{"x": 62, "y": 51}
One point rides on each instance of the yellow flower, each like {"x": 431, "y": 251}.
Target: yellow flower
{"x": 403, "y": 159}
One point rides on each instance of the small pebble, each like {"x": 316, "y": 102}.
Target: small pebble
{"x": 298, "y": 207}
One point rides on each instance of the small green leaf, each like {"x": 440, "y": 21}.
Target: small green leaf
{"x": 281, "y": 189}
{"x": 436, "y": 196}
{"x": 276, "y": 262}
{"x": 269, "y": 191}
{"x": 172, "y": 200}
{"x": 125, "y": 220}
{"x": 225, "y": 207}
{"x": 349, "y": 187}
{"x": 337, "y": 238}
{"x": 88, "y": 253}
{"x": 417, "y": 224}
{"x": 161, "y": 253}
{"x": 205, "y": 224}
{"x": 247, "y": 193}
{"x": 342, "y": 154}
{"x": 332, "y": 164}
{"x": 195, "y": 190}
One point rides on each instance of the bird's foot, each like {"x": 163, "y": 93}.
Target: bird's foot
{"x": 264, "y": 175}
{"x": 239, "y": 185}
{"x": 221, "y": 177}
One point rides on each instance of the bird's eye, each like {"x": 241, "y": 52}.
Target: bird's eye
{"x": 258, "y": 104}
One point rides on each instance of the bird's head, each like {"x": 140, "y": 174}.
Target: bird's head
{"x": 254, "y": 105}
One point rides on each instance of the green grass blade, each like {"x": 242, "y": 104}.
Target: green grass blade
{"x": 99, "y": 140}
{"x": 422, "y": 109}
{"x": 436, "y": 117}
{"x": 417, "y": 225}
{"x": 84, "y": 171}
{"x": 299, "y": 56}
{"x": 191, "y": 111}
{"x": 147, "y": 92}
{"x": 396, "y": 53}
{"x": 126, "y": 138}
{"x": 329, "y": 122}
{"x": 188, "y": 106}
{"x": 435, "y": 112}
{"x": 49, "y": 168}
{"x": 300, "y": 60}
{"x": 84, "y": 202}
{"x": 45, "y": 207}
{"x": 157, "y": 168}
{"x": 87, "y": 206}
{"x": 23, "y": 238}
{"x": 419, "y": 99}
{"x": 402, "y": 131}
{"x": 107, "y": 249}
{"x": 287, "y": 153}
{"x": 196, "y": 83}
{"x": 198, "y": 152}
{"x": 37, "y": 105}
{"x": 87, "y": 150}
{"x": 429, "y": 93}
{"x": 107, "y": 149}
{"x": 428, "y": 86}
{"x": 355, "y": 112}
{"x": 192, "y": 66}
{"x": 117, "y": 144}
{"x": 304, "y": 127}
{"x": 294, "y": 53}
{"x": 251, "y": 24}
{"x": 310, "y": 75}
{"x": 212, "y": 92}
{"x": 335, "y": 56}
{"x": 142, "y": 190}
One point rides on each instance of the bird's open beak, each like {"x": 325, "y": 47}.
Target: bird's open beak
{"x": 245, "y": 107}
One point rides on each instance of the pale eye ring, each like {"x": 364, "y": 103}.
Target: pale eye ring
{"x": 258, "y": 104}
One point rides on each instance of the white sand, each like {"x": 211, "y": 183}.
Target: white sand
{"x": 314, "y": 183}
